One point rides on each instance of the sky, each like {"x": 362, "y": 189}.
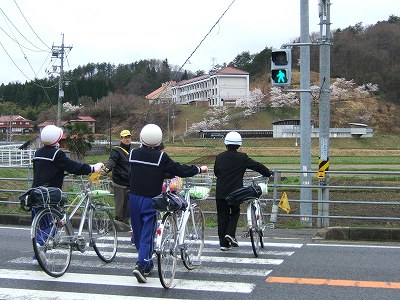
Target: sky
{"x": 126, "y": 31}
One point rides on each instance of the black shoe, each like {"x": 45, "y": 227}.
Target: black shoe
{"x": 147, "y": 272}
{"x": 139, "y": 274}
{"x": 232, "y": 240}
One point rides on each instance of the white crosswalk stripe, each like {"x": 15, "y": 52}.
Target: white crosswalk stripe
{"x": 217, "y": 273}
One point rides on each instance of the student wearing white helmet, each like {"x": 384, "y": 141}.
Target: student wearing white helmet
{"x": 229, "y": 168}
{"x": 50, "y": 163}
{"x": 149, "y": 164}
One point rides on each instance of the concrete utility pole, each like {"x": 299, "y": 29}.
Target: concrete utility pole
{"x": 305, "y": 113}
{"x": 58, "y": 52}
{"x": 324, "y": 109}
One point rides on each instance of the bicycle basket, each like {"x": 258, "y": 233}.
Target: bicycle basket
{"x": 242, "y": 194}
{"x": 252, "y": 178}
{"x": 169, "y": 201}
{"x": 41, "y": 196}
{"x": 200, "y": 186}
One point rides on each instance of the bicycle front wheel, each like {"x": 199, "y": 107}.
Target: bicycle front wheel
{"x": 254, "y": 231}
{"x": 194, "y": 239}
{"x": 102, "y": 232}
{"x": 51, "y": 242}
{"x": 166, "y": 256}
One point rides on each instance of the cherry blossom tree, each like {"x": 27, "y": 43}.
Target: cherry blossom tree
{"x": 282, "y": 99}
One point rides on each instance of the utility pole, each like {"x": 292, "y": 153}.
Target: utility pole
{"x": 58, "y": 52}
{"x": 324, "y": 110}
{"x": 305, "y": 114}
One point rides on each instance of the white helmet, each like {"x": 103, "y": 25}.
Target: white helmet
{"x": 151, "y": 135}
{"x": 233, "y": 138}
{"x": 51, "y": 135}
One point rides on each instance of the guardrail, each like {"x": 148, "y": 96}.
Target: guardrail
{"x": 355, "y": 197}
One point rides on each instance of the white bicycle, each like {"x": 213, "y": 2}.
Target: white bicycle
{"x": 254, "y": 213}
{"x": 181, "y": 230}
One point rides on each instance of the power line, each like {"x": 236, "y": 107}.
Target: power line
{"x": 15, "y": 40}
{"x": 31, "y": 26}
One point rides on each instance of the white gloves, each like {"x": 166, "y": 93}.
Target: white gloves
{"x": 97, "y": 167}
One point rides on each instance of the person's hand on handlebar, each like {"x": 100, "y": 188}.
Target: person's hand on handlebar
{"x": 204, "y": 169}
{"x": 97, "y": 167}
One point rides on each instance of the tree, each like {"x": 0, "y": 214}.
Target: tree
{"x": 79, "y": 140}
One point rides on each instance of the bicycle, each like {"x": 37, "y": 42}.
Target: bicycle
{"x": 181, "y": 232}
{"x": 254, "y": 213}
{"x": 54, "y": 237}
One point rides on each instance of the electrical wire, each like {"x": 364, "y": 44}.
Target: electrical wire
{"x": 197, "y": 47}
{"x": 15, "y": 40}
{"x": 31, "y": 26}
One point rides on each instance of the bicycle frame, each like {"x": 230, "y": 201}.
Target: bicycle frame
{"x": 254, "y": 204}
{"x": 54, "y": 238}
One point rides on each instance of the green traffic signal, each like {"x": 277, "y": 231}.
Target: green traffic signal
{"x": 279, "y": 76}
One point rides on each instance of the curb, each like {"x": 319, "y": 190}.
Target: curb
{"x": 359, "y": 234}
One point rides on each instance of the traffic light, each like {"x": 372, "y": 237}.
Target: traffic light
{"x": 281, "y": 67}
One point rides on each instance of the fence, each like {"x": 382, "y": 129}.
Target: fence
{"x": 355, "y": 198}
{"x": 11, "y": 155}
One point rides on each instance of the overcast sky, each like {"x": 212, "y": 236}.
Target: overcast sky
{"x": 125, "y": 31}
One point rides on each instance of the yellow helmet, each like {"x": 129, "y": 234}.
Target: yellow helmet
{"x": 125, "y": 133}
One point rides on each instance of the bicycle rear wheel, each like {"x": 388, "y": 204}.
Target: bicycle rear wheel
{"x": 166, "y": 256}
{"x": 102, "y": 232}
{"x": 51, "y": 242}
{"x": 194, "y": 239}
{"x": 254, "y": 231}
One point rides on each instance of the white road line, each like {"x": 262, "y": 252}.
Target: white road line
{"x": 199, "y": 285}
{"x": 239, "y": 250}
{"x": 180, "y": 269}
{"x": 241, "y": 243}
{"x": 8, "y": 293}
{"x": 242, "y": 250}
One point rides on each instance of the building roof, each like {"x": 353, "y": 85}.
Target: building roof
{"x": 63, "y": 122}
{"x": 156, "y": 94}
{"x": 223, "y": 71}
{"x": 13, "y": 118}
{"x": 83, "y": 119}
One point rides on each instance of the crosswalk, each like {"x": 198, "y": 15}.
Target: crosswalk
{"x": 235, "y": 271}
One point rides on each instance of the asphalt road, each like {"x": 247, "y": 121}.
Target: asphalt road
{"x": 292, "y": 266}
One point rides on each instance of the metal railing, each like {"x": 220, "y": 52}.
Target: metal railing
{"x": 355, "y": 197}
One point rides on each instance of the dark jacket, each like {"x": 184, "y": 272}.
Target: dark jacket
{"x": 49, "y": 165}
{"x": 119, "y": 164}
{"x": 229, "y": 169}
{"x": 148, "y": 169}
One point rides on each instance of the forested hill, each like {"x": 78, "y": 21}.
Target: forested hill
{"x": 366, "y": 54}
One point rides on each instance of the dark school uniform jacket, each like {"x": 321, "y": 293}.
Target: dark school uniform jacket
{"x": 49, "y": 165}
{"x": 148, "y": 169}
{"x": 229, "y": 168}
{"x": 119, "y": 165}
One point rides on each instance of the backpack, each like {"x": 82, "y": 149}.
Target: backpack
{"x": 41, "y": 196}
{"x": 169, "y": 201}
{"x": 242, "y": 194}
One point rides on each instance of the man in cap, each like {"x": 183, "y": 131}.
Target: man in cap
{"x": 120, "y": 167}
